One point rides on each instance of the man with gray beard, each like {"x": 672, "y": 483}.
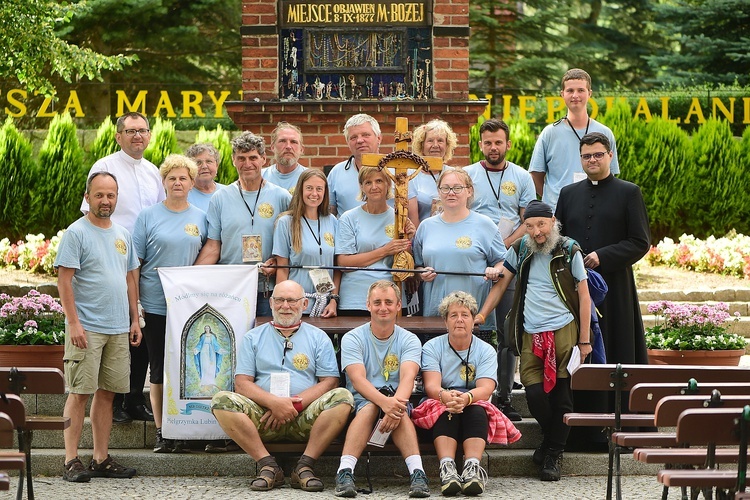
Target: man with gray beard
{"x": 550, "y": 316}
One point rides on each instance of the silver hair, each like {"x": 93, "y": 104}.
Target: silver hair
{"x": 361, "y": 119}
{"x": 462, "y": 299}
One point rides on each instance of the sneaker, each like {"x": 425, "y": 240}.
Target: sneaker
{"x": 75, "y": 472}
{"x": 418, "y": 487}
{"x": 551, "y": 468}
{"x": 450, "y": 481}
{"x": 511, "y": 413}
{"x": 474, "y": 479}
{"x": 162, "y": 445}
{"x": 345, "y": 484}
{"x": 110, "y": 468}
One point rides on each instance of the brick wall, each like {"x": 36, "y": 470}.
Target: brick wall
{"x": 322, "y": 121}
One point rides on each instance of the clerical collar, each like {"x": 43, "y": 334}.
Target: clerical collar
{"x": 603, "y": 181}
{"x": 493, "y": 169}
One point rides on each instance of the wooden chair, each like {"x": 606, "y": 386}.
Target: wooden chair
{"x": 621, "y": 378}
{"x": 34, "y": 381}
{"x": 712, "y": 427}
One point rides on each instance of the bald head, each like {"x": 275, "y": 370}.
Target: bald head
{"x": 288, "y": 302}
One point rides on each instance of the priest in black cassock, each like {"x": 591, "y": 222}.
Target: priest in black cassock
{"x": 608, "y": 219}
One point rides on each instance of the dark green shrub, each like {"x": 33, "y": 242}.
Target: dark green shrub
{"x": 475, "y": 151}
{"x": 105, "y": 143}
{"x": 630, "y": 136}
{"x": 61, "y": 178}
{"x": 227, "y": 173}
{"x": 16, "y": 181}
{"x": 522, "y": 141}
{"x": 163, "y": 142}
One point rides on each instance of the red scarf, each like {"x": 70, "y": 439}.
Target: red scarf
{"x": 543, "y": 347}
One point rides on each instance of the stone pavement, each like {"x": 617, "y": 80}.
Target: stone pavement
{"x": 569, "y": 488}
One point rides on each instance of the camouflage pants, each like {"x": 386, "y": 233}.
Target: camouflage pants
{"x": 296, "y": 430}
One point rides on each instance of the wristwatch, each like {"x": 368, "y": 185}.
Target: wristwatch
{"x": 336, "y": 297}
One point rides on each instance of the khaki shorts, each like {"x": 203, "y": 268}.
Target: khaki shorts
{"x": 297, "y": 430}
{"x": 532, "y": 367}
{"x": 104, "y": 364}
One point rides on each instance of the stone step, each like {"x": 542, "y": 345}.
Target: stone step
{"x": 498, "y": 462}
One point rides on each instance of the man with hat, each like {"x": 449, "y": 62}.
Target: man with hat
{"x": 549, "y": 318}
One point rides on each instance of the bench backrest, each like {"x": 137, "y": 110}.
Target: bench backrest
{"x": 706, "y": 426}
{"x": 669, "y": 408}
{"x": 13, "y": 406}
{"x": 645, "y": 396}
{"x": 32, "y": 380}
{"x": 603, "y": 377}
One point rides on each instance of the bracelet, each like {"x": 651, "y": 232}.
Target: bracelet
{"x": 471, "y": 398}
{"x": 482, "y": 318}
{"x": 584, "y": 343}
{"x": 336, "y": 297}
{"x": 440, "y": 396}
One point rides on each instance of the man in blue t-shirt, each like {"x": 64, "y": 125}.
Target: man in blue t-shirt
{"x": 97, "y": 269}
{"x": 381, "y": 360}
{"x": 286, "y": 388}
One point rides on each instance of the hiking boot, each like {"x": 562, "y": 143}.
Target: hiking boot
{"x": 75, "y": 472}
{"x": 539, "y": 454}
{"x": 162, "y": 445}
{"x": 474, "y": 479}
{"x": 418, "y": 487}
{"x": 345, "y": 484}
{"x": 450, "y": 481}
{"x": 511, "y": 413}
{"x": 552, "y": 466}
{"x": 110, "y": 468}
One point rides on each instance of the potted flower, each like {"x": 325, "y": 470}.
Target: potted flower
{"x": 32, "y": 330}
{"x": 693, "y": 334}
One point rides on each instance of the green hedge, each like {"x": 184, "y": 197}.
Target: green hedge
{"x": 18, "y": 169}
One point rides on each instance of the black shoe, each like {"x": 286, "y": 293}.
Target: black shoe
{"x": 551, "y": 468}
{"x": 345, "y": 484}
{"x": 120, "y": 416}
{"x": 110, "y": 468}
{"x": 517, "y": 386}
{"x": 140, "y": 412}
{"x": 222, "y": 446}
{"x": 162, "y": 445}
{"x": 511, "y": 413}
{"x": 539, "y": 454}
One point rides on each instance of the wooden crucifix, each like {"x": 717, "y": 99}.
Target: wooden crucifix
{"x": 401, "y": 161}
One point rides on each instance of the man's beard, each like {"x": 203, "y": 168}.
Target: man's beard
{"x": 495, "y": 163}
{"x": 286, "y": 162}
{"x": 287, "y": 321}
{"x": 552, "y": 240}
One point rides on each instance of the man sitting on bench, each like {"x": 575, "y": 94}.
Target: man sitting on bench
{"x": 286, "y": 387}
{"x": 381, "y": 360}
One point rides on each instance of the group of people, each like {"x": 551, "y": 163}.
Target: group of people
{"x": 485, "y": 250}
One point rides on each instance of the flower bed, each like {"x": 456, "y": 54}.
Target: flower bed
{"x": 34, "y": 319}
{"x": 36, "y": 254}
{"x": 728, "y": 255}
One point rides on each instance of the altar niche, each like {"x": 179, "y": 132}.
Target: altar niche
{"x": 324, "y": 57}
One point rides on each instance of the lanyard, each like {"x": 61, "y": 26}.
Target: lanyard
{"x": 499, "y": 186}
{"x": 288, "y": 344}
{"x": 252, "y": 212}
{"x": 588, "y": 122}
{"x": 318, "y": 239}
{"x": 464, "y": 362}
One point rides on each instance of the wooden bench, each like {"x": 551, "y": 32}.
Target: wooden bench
{"x": 12, "y": 415}
{"x": 712, "y": 427}
{"x": 33, "y": 381}
{"x": 622, "y": 378}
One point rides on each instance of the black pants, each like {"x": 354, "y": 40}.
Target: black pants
{"x": 548, "y": 409}
{"x": 138, "y": 369}
{"x": 472, "y": 423}
{"x": 506, "y": 360}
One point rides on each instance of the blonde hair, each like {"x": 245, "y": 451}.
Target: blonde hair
{"x": 174, "y": 161}
{"x": 439, "y": 126}
{"x": 384, "y": 285}
{"x": 460, "y": 298}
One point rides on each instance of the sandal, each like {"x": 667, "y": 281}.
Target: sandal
{"x": 304, "y": 478}
{"x": 268, "y": 478}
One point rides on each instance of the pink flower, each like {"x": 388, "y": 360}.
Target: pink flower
{"x": 30, "y": 324}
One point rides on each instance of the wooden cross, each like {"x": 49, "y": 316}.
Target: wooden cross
{"x": 401, "y": 161}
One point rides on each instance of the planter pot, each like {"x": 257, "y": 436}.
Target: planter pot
{"x": 41, "y": 356}
{"x": 710, "y": 358}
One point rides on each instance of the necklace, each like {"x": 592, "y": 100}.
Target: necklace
{"x": 317, "y": 238}
{"x": 465, "y": 362}
{"x": 500, "y": 185}
{"x": 588, "y": 122}
{"x": 257, "y": 196}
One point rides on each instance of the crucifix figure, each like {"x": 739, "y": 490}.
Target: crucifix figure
{"x": 401, "y": 161}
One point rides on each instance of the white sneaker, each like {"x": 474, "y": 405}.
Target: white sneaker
{"x": 450, "y": 481}
{"x": 474, "y": 479}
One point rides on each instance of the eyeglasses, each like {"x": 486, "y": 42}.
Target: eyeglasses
{"x": 282, "y": 300}
{"x": 130, "y": 132}
{"x": 448, "y": 189}
{"x": 596, "y": 156}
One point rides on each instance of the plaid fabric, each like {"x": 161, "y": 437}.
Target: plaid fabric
{"x": 543, "y": 347}
{"x": 500, "y": 429}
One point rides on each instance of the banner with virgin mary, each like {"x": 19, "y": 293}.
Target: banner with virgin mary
{"x": 209, "y": 310}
